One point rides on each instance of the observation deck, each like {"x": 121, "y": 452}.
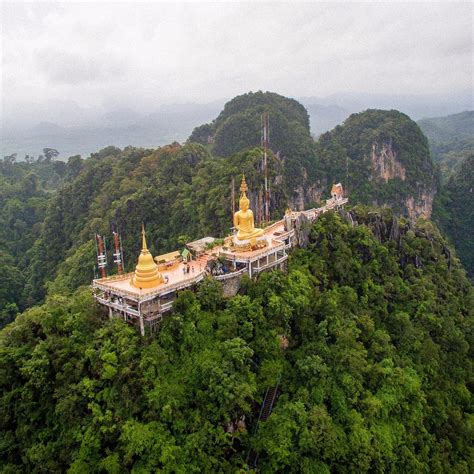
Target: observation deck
{"x": 145, "y": 307}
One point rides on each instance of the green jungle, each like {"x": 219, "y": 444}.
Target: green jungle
{"x": 377, "y": 311}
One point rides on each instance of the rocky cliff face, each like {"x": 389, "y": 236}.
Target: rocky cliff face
{"x": 386, "y": 165}
{"x": 384, "y": 162}
{"x": 303, "y": 196}
{"x": 421, "y": 205}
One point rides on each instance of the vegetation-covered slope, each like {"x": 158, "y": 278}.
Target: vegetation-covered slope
{"x": 376, "y": 376}
{"x": 451, "y": 139}
{"x": 382, "y": 157}
{"x": 239, "y": 127}
{"x": 454, "y": 211}
{"x": 25, "y": 192}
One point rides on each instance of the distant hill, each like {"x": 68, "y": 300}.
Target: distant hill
{"x": 121, "y": 128}
{"x": 451, "y": 139}
{"x": 454, "y": 211}
{"x": 325, "y": 117}
{"x": 327, "y": 112}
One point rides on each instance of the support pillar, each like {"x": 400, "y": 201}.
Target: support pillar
{"x": 142, "y": 324}
{"x": 111, "y": 314}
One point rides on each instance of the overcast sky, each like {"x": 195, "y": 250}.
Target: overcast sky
{"x": 106, "y": 55}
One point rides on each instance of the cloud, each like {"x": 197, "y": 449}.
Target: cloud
{"x": 70, "y": 68}
{"x": 103, "y": 54}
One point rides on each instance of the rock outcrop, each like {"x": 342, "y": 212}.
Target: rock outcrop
{"x": 421, "y": 205}
{"x": 384, "y": 162}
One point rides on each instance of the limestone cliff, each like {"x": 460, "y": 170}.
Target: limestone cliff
{"x": 420, "y": 205}
{"x": 384, "y": 162}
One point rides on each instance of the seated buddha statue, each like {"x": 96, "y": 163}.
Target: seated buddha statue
{"x": 243, "y": 218}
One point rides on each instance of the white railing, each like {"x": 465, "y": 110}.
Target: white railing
{"x": 166, "y": 306}
{"x": 229, "y": 275}
{"x": 117, "y": 306}
{"x": 269, "y": 264}
{"x": 255, "y": 253}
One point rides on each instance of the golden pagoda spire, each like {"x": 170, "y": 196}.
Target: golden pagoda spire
{"x": 144, "y": 247}
{"x": 243, "y": 186}
{"x": 146, "y": 271}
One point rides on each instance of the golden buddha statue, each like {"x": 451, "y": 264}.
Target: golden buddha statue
{"x": 243, "y": 218}
{"x": 146, "y": 271}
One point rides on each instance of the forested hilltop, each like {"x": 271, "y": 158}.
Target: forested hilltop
{"x": 381, "y": 156}
{"x": 376, "y": 376}
{"x": 26, "y": 191}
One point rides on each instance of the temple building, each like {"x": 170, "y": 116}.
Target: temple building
{"x": 337, "y": 192}
{"x": 145, "y": 296}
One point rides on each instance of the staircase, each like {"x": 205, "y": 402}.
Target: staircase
{"x": 202, "y": 260}
{"x": 265, "y": 411}
{"x": 267, "y": 404}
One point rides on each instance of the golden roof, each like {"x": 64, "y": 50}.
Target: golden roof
{"x": 146, "y": 271}
{"x": 167, "y": 257}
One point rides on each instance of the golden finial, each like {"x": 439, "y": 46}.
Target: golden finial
{"x": 243, "y": 185}
{"x": 144, "y": 247}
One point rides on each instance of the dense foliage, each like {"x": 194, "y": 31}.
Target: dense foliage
{"x": 377, "y": 375}
{"x": 347, "y": 154}
{"x": 451, "y": 139}
{"x": 25, "y": 192}
{"x": 50, "y": 210}
{"x": 454, "y": 211}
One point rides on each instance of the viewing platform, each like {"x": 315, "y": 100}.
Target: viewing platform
{"x": 145, "y": 307}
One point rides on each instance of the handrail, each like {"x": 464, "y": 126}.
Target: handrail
{"x": 255, "y": 253}
{"x": 230, "y": 274}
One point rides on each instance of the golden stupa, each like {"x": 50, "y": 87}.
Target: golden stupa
{"x": 146, "y": 271}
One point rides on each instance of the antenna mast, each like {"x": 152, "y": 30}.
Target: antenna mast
{"x": 101, "y": 254}
{"x": 232, "y": 193}
{"x": 260, "y": 212}
{"x": 266, "y": 139}
{"x": 118, "y": 254}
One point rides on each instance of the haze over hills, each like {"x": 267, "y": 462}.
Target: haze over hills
{"x": 73, "y": 129}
